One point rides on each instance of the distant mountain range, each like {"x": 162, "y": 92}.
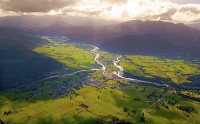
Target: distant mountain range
{"x": 131, "y": 37}
{"x": 38, "y": 22}
{"x": 10, "y": 36}
{"x": 153, "y": 37}
{"x": 20, "y": 65}
{"x": 195, "y": 25}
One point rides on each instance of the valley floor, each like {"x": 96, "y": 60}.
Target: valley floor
{"x": 99, "y": 95}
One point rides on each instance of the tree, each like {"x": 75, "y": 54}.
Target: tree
{"x": 5, "y": 113}
{"x": 134, "y": 112}
{"x": 142, "y": 119}
{"x": 125, "y": 109}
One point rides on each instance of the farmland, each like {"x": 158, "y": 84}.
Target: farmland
{"x": 92, "y": 97}
{"x": 106, "y": 105}
{"x": 74, "y": 56}
{"x": 150, "y": 66}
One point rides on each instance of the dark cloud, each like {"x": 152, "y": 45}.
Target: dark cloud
{"x": 34, "y": 5}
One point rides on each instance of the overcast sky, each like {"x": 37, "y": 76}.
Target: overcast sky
{"x": 185, "y": 11}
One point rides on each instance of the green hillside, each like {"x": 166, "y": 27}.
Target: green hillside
{"x": 15, "y": 37}
{"x": 20, "y": 66}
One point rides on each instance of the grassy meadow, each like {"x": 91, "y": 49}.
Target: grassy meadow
{"x": 149, "y": 66}
{"x": 106, "y": 105}
{"x": 107, "y": 60}
{"x": 76, "y": 56}
{"x": 109, "y": 101}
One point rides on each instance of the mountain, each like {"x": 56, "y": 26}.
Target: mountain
{"x": 179, "y": 39}
{"x": 195, "y": 26}
{"x": 151, "y": 37}
{"x": 136, "y": 37}
{"x": 19, "y": 65}
{"x": 10, "y": 36}
{"x": 146, "y": 44}
{"x": 38, "y": 22}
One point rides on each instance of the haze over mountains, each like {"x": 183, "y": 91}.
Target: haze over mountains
{"x": 131, "y": 37}
{"x": 32, "y": 22}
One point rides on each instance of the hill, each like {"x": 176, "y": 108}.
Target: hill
{"x": 37, "y": 22}
{"x": 19, "y": 65}
{"x": 179, "y": 39}
{"x": 195, "y": 26}
{"x": 147, "y": 44}
{"x": 155, "y": 38}
{"x": 9, "y": 36}
{"x": 163, "y": 38}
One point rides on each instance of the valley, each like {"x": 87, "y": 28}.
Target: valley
{"x": 94, "y": 86}
{"x": 99, "y": 62}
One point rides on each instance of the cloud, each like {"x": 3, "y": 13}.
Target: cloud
{"x": 165, "y": 10}
{"x": 185, "y": 1}
{"x": 114, "y": 1}
{"x": 34, "y": 5}
{"x": 137, "y": 9}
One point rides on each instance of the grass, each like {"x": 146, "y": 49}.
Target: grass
{"x": 149, "y": 66}
{"x": 103, "y": 105}
{"x": 71, "y": 55}
{"x": 107, "y": 60}
{"x": 191, "y": 93}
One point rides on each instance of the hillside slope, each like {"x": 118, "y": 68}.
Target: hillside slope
{"x": 19, "y": 65}
{"x": 164, "y": 38}
{"x": 9, "y": 36}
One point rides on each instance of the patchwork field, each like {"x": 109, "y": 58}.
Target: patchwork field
{"x": 107, "y": 105}
{"x": 90, "y": 97}
{"x": 149, "y": 66}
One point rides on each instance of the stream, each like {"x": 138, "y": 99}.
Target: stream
{"x": 118, "y": 73}
{"x": 95, "y": 49}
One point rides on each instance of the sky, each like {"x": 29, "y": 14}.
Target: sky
{"x": 179, "y": 11}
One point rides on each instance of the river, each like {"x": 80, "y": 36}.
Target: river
{"x": 95, "y": 49}
{"x": 118, "y": 73}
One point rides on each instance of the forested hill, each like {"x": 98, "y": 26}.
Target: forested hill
{"x": 19, "y": 65}
{"x": 10, "y": 36}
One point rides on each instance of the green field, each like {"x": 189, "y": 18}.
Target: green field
{"x": 107, "y": 105}
{"x": 74, "y": 56}
{"x": 106, "y": 59}
{"x": 109, "y": 101}
{"x": 149, "y": 66}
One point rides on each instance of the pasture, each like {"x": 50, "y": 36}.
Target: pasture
{"x": 73, "y": 56}
{"x": 128, "y": 104}
{"x": 150, "y": 66}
